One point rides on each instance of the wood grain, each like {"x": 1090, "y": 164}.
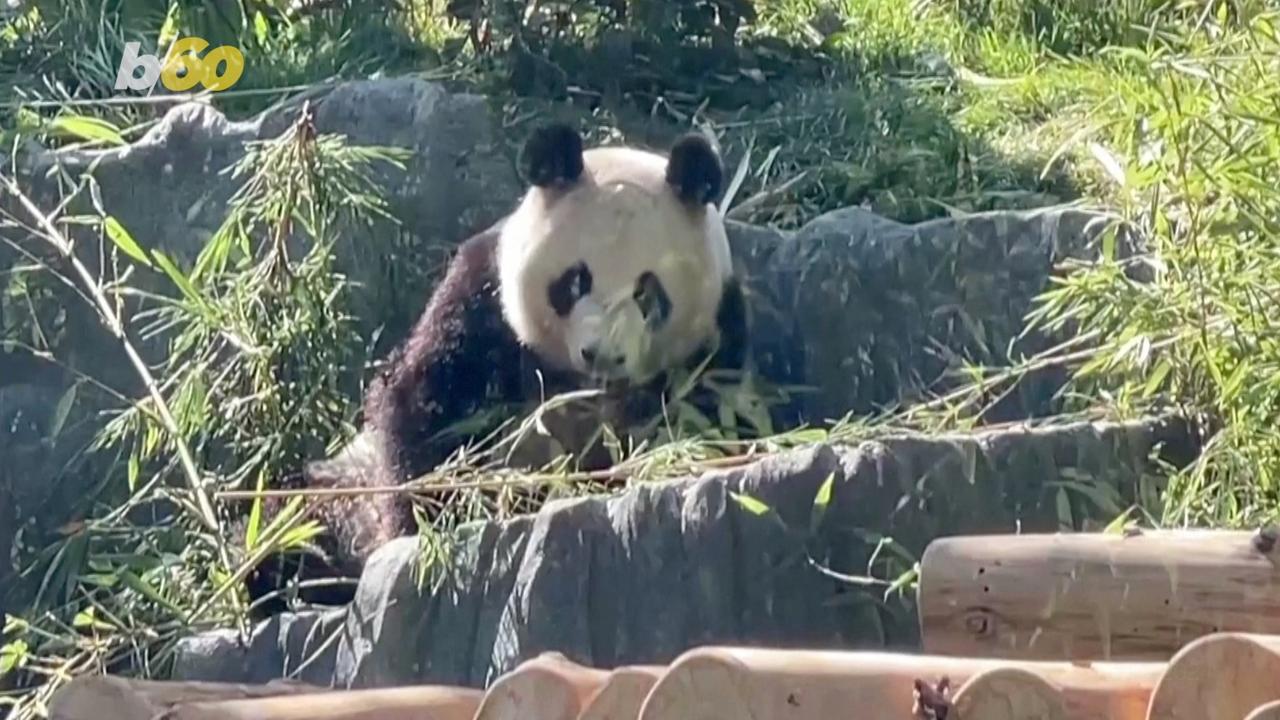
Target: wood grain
{"x": 1222, "y": 677}
{"x": 403, "y": 703}
{"x": 1094, "y": 596}
{"x": 623, "y": 693}
{"x": 1009, "y": 694}
{"x": 735, "y": 683}
{"x": 91, "y": 697}
{"x": 548, "y": 687}
{"x": 1267, "y": 711}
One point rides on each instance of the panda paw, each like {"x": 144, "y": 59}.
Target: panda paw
{"x": 552, "y": 155}
{"x": 694, "y": 170}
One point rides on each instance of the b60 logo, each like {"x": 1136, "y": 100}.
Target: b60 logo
{"x": 219, "y": 69}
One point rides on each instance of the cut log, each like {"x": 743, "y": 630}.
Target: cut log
{"x": 1009, "y": 694}
{"x": 623, "y": 693}
{"x": 1269, "y": 711}
{"x": 1221, "y": 677}
{"x": 733, "y": 683}
{"x": 1094, "y": 596}
{"x": 1018, "y": 693}
{"x": 547, "y": 687}
{"x": 91, "y": 697}
{"x": 404, "y": 703}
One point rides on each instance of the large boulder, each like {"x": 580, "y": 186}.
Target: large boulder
{"x": 871, "y": 313}
{"x": 643, "y": 575}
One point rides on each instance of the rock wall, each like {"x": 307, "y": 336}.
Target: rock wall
{"x": 643, "y": 575}
{"x": 861, "y": 309}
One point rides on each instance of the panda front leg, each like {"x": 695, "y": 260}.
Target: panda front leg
{"x": 460, "y": 358}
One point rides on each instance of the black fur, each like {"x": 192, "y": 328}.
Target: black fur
{"x": 553, "y": 156}
{"x": 694, "y": 170}
{"x": 572, "y": 286}
{"x": 735, "y": 331}
{"x": 652, "y": 297}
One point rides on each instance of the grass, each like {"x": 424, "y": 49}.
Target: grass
{"x": 1165, "y": 112}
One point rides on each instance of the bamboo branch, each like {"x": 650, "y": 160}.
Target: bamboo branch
{"x": 116, "y": 327}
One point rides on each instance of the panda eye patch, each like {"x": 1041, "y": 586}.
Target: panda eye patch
{"x": 655, "y": 304}
{"x": 572, "y": 285}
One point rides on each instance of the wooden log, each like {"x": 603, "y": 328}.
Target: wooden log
{"x": 1008, "y": 694}
{"x": 1266, "y": 711}
{"x": 733, "y": 683}
{"x": 623, "y": 693}
{"x": 403, "y": 703}
{"x": 1094, "y": 596}
{"x": 1220, "y": 677}
{"x": 1019, "y": 693}
{"x": 91, "y": 697}
{"x": 547, "y": 687}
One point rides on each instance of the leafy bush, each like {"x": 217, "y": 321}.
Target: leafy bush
{"x": 1203, "y": 145}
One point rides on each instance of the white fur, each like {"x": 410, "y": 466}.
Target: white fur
{"x": 621, "y": 218}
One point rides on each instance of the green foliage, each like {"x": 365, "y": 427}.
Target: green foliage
{"x": 890, "y": 567}
{"x": 1180, "y": 136}
{"x": 1194, "y": 323}
{"x": 263, "y": 356}
{"x": 1074, "y": 27}
{"x": 261, "y": 369}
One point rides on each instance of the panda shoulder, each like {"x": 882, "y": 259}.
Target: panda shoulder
{"x": 472, "y": 266}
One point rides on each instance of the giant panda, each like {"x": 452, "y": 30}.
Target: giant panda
{"x": 613, "y": 270}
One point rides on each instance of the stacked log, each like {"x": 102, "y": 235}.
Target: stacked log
{"x": 1094, "y": 596}
{"x": 1156, "y": 626}
{"x": 711, "y": 683}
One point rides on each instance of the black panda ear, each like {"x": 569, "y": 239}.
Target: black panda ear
{"x": 552, "y": 155}
{"x": 694, "y": 170}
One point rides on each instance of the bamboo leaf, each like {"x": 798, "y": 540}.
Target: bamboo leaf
{"x": 125, "y": 241}
{"x": 86, "y": 128}
{"x": 750, "y": 504}
{"x": 13, "y": 656}
{"x": 821, "y": 502}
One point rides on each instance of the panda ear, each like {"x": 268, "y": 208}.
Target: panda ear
{"x": 552, "y": 155}
{"x": 694, "y": 170}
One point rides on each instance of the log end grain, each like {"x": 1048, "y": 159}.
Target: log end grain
{"x": 548, "y": 687}
{"x": 1220, "y": 677}
{"x": 1008, "y": 694}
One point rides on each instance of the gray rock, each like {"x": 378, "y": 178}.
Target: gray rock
{"x": 872, "y": 312}
{"x": 643, "y": 575}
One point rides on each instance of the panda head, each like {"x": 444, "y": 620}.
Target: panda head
{"x": 614, "y": 264}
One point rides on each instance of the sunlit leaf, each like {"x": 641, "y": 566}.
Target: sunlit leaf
{"x": 125, "y": 241}
{"x": 82, "y": 127}
{"x": 821, "y": 502}
{"x": 13, "y": 655}
{"x": 750, "y": 504}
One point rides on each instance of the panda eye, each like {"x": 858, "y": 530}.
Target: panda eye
{"x": 655, "y": 304}
{"x": 572, "y": 285}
